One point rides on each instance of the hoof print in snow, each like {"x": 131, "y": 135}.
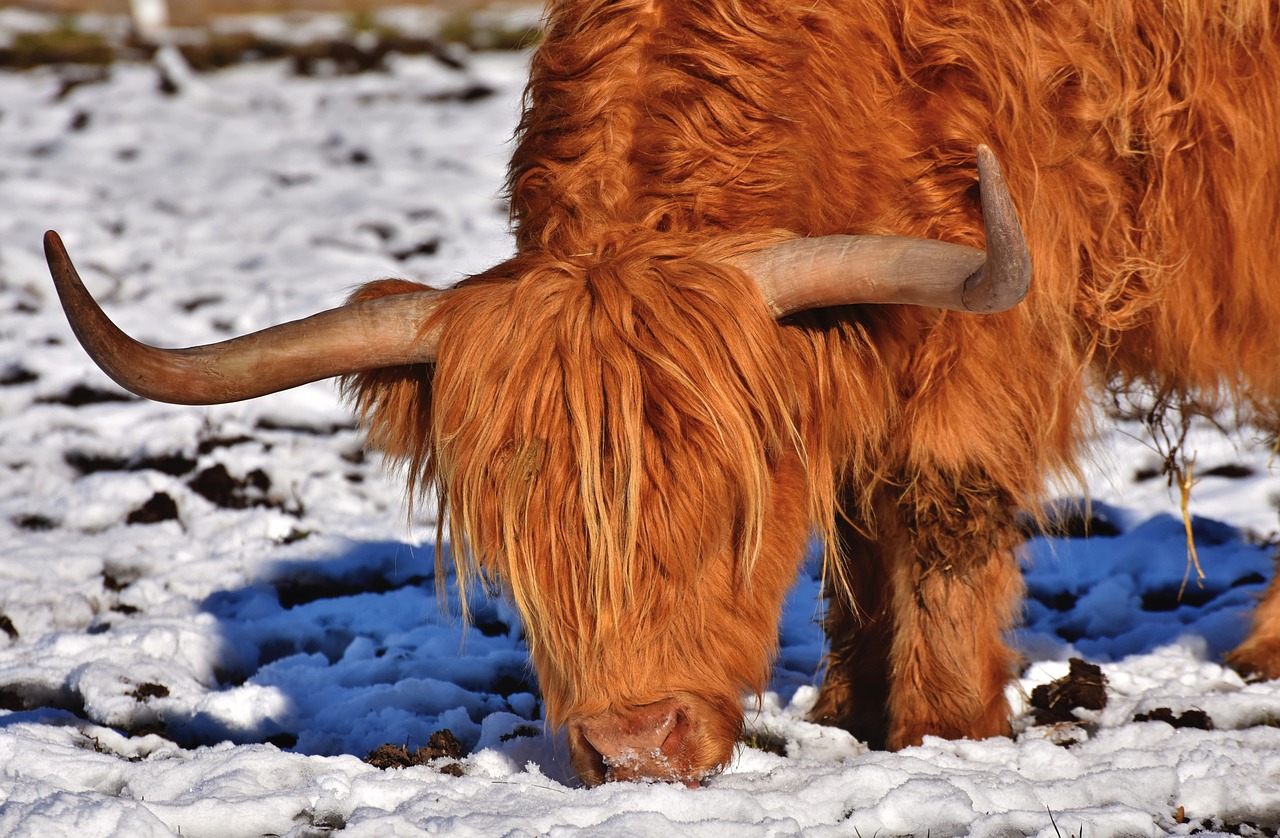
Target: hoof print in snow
{"x": 1084, "y": 686}
{"x": 160, "y": 507}
{"x": 1194, "y": 718}
{"x": 440, "y": 745}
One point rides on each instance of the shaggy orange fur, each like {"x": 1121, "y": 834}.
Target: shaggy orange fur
{"x": 632, "y": 449}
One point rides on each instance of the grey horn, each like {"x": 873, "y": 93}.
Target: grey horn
{"x": 844, "y": 270}
{"x": 362, "y": 336}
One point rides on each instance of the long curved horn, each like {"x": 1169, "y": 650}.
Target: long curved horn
{"x": 376, "y": 333}
{"x": 844, "y": 270}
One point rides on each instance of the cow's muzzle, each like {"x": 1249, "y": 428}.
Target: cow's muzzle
{"x": 666, "y": 741}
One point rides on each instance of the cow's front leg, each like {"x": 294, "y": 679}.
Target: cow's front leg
{"x": 955, "y": 588}
{"x": 915, "y": 629}
{"x": 859, "y": 630}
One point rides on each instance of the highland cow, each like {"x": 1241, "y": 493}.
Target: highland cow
{"x": 748, "y": 305}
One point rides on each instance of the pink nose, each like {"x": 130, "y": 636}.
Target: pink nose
{"x": 650, "y": 742}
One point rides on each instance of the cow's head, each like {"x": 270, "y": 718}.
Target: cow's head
{"x": 618, "y": 441}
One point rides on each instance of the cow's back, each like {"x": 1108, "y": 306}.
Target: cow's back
{"x": 1141, "y": 141}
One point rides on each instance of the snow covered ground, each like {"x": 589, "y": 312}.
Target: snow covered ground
{"x": 208, "y": 617}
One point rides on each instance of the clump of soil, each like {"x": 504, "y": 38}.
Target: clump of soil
{"x": 441, "y": 745}
{"x": 1083, "y": 686}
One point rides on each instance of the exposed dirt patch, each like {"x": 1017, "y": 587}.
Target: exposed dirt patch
{"x": 302, "y": 589}
{"x": 214, "y": 443}
{"x": 1073, "y": 522}
{"x": 1170, "y": 599}
{"x": 520, "y": 732}
{"x": 426, "y": 248}
{"x": 81, "y": 395}
{"x": 1194, "y": 718}
{"x": 507, "y": 684}
{"x": 35, "y": 522}
{"x": 216, "y": 485}
{"x": 148, "y": 691}
{"x": 15, "y": 375}
{"x": 1233, "y": 471}
{"x": 116, "y": 580}
{"x": 283, "y": 741}
{"x": 174, "y": 465}
{"x": 764, "y": 740}
{"x": 159, "y": 507}
{"x": 1057, "y": 600}
{"x": 268, "y": 423}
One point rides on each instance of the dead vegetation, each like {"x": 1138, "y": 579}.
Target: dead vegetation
{"x": 210, "y": 41}
{"x": 186, "y": 13}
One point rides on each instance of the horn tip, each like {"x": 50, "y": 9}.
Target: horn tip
{"x": 60, "y": 267}
{"x": 52, "y": 241}
{"x": 988, "y": 163}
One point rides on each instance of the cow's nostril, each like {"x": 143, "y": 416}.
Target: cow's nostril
{"x": 588, "y": 762}
{"x": 640, "y": 730}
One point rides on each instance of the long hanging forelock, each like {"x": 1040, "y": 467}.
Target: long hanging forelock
{"x": 577, "y": 376}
